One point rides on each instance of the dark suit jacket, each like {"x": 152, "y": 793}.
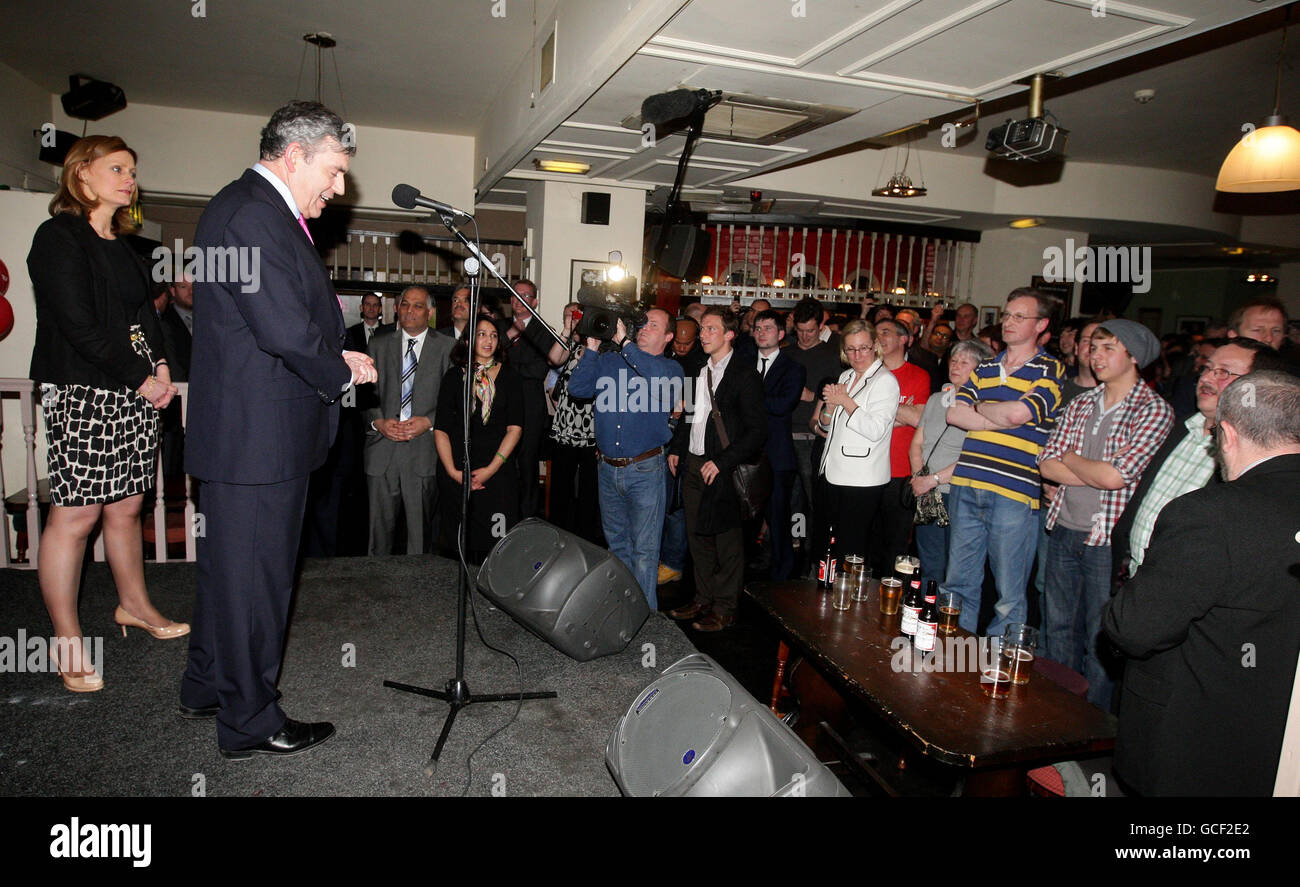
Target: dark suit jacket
{"x": 782, "y": 387}
{"x": 357, "y": 335}
{"x": 419, "y": 455}
{"x": 1120, "y": 549}
{"x": 739, "y": 398}
{"x": 268, "y": 370}
{"x": 1212, "y": 621}
{"x": 177, "y": 343}
{"x": 82, "y": 319}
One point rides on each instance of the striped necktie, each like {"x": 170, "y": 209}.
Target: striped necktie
{"x": 408, "y": 380}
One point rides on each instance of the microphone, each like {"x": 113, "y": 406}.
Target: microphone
{"x": 409, "y": 198}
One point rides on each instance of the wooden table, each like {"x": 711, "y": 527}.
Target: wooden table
{"x": 944, "y": 715}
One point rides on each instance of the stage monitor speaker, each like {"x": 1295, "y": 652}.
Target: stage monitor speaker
{"x": 595, "y": 207}
{"x": 572, "y": 594}
{"x": 686, "y": 252}
{"x": 696, "y": 732}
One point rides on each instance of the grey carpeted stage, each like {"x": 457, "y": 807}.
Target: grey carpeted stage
{"x": 398, "y": 615}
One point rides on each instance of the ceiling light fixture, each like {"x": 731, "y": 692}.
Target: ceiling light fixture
{"x": 1267, "y": 159}
{"x": 900, "y": 184}
{"x": 1025, "y": 223}
{"x": 572, "y": 167}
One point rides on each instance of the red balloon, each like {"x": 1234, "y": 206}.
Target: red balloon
{"x": 6, "y": 317}
{"x": 4, "y": 278}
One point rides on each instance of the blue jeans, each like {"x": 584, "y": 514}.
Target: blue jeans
{"x": 1078, "y": 588}
{"x": 985, "y": 524}
{"x": 632, "y": 500}
{"x": 932, "y": 548}
{"x": 672, "y": 552}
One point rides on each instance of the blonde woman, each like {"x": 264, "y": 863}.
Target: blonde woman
{"x": 856, "y": 414}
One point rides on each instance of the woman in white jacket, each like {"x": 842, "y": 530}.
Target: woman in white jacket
{"x": 857, "y": 416}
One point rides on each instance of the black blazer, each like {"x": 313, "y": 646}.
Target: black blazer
{"x": 782, "y": 387}
{"x": 268, "y": 369}
{"x": 1212, "y": 621}
{"x": 1120, "y": 549}
{"x": 357, "y": 335}
{"x": 739, "y": 398}
{"x": 82, "y": 319}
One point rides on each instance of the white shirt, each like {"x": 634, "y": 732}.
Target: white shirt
{"x": 187, "y": 317}
{"x": 767, "y": 359}
{"x": 370, "y": 328}
{"x": 825, "y": 334}
{"x": 419, "y": 346}
{"x": 279, "y": 186}
{"x": 704, "y": 400}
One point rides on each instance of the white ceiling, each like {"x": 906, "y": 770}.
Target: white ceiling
{"x": 416, "y": 64}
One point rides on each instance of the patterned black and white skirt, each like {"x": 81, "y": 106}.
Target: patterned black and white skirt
{"x": 101, "y": 442}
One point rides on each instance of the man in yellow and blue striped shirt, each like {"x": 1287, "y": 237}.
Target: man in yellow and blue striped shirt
{"x": 1008, "y": 408}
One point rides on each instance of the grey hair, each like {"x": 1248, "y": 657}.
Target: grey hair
{"x": 310, "y": 124}
{"x": 1264, "y": 407}
{"x": 974, "y": 347}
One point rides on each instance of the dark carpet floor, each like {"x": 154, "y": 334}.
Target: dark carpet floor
{"x": 397, "y": 615}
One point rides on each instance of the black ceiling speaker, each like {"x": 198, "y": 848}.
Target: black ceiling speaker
{"x": 574, "y": 595}
{"x": 92, "y": 99}
{"x": 58, "y": 152}
{"x": 686, "y": 251}
{"x": 696, "y": 732}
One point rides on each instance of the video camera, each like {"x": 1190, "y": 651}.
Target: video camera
{"x": 608, "y": 296}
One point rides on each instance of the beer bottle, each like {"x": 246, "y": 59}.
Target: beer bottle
{"x": 826, "y": 566}
{"x": 911, "y": 606}
{"x": 927, "y": 622}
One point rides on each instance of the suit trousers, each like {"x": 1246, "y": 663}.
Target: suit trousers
{"x": 892, "y": 530}
{"x": 537, "y": 423}
{"x": 400, "y": 488}
{"x": 719, "y": 559}
{"x": 246, "y": 560}
{"x": 778, "y": 524}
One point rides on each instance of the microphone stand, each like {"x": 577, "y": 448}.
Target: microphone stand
{"x": 456, "y": 692}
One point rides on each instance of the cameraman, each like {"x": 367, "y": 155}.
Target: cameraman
{"x": 636, "y": 390}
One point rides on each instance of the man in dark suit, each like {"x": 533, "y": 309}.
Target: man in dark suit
{"x": 527, "y": 344}
{"x": 783, "y": 383}
{"x": 401, "y": 462}
{"x": 1212, "y": 618}
{"x": 270, "y": 364}
{"x": 370, "y": 325}
{"x": 459, "y": 314}
{"x": 730, "y": 387}
{"x": 177, "y": 344}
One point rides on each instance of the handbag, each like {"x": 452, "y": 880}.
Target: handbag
{"x": 752, "y": 481}
{"x": 929, "y": 506}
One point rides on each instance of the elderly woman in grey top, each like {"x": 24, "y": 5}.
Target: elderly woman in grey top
{"x": 936, "y": 445}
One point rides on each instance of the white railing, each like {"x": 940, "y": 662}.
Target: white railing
{"x": 27, "y": 395}
{"x": 377, "y": 256}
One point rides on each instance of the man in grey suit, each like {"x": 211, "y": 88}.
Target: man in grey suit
{"x": 400, "y": 462}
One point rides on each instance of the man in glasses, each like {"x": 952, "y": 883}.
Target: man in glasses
{"x": 1184, "y": 462}
{"x": 1009, "y": 407}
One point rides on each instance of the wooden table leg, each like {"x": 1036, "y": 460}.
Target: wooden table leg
{"x": 782, "y": 654}
{"x": 999, "y": 782}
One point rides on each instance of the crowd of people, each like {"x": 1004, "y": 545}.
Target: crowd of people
{"x": 1152, "y": 483}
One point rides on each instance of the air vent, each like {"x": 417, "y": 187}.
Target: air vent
{"x": 758, "y": 120}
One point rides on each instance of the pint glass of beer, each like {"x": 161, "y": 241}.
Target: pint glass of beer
{"x": 995, "y": 678}
{"x": 1024, "y": 639}
{"x": 891, "y": 590}
{"x": 949, "y": 612}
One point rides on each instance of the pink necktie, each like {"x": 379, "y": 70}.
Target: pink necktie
{"x": 302, "y": 222}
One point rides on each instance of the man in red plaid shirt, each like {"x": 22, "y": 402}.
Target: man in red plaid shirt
{"x": 1097, "y": 453}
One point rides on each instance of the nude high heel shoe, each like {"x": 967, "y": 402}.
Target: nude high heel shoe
{"x": 166, "y": 632}
{"x": 81, "y": 683}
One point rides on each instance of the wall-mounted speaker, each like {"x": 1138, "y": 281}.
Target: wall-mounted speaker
{"x": 696, "y": 732}
{"x": 576, "y": 596}
{"x": 686, "y": 252}
{"x": 595, "y": 207}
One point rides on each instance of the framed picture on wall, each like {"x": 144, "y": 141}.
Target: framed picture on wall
{"x": 989, "y": 315}
{"x": 1192, "y": 324}
{"x": 585, "y": 272}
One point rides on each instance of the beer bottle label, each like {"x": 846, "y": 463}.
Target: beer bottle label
{"x": 909, "y": 621}
{"x": 832, "y": 570}
{"x": 821, "y": 571}
{"x": 925, "y": 636}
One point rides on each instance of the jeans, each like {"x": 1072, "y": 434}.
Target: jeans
{"x": 632, "y": 502}
{"x": 932, "y": 548}
{"x": 672, "y": 551}
{"x": 986, "y": 524}
{"x": 1078, "y": 588}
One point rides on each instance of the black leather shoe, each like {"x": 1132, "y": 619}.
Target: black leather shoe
{"x": 690, "y": 611}
{"x": 194, "y": 714}
{"x": 293, "y": 738}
